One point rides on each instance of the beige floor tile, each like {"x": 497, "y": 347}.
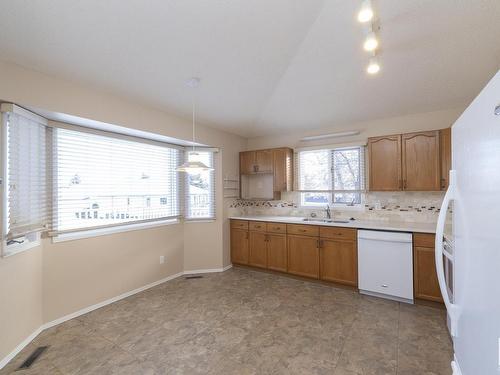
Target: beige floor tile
{"x": 246, "y": 322}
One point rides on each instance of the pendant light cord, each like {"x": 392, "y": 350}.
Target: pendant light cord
{"x": 194, "y": 117}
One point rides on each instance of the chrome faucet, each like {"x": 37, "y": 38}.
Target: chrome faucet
{"x": 328, "y": 212}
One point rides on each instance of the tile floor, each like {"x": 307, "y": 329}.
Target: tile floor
{"x": 246, "y": 322}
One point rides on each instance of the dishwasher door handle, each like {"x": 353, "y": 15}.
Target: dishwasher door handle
{"x": 384, "y": 240}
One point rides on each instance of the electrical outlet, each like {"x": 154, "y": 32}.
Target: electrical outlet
{"x": 162, "y": 259}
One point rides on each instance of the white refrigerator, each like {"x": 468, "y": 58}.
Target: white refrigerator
{"x": 468, "y": 256}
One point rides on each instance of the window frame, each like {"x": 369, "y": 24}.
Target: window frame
{"x": 32, "y": 238}
{"x": 85, "y": 232}
{"x": 331, "y": 192}
{"x": 212, "y": 193}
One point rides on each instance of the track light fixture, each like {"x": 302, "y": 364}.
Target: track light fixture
{"x": 365, "y": 14}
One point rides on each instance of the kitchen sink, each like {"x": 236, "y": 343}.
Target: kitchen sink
{"x": 314, "y": 220}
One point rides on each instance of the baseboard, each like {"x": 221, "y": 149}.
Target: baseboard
{"x": 20, "y": 347}
{"x": 88, "y": 309}
{"x": 209, "y": 270}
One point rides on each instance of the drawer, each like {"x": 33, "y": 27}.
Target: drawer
{"x": 424, "y": 240}
{"x": 276, "y": 228}
{"x": 257, "y": 226}
{"x": 303, "y": 230}
{"x": 338, "y": 233}
{"x": 239, "y": 224}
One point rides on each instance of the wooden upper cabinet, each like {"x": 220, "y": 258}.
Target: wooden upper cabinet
{"x": 264, "y": 174}
{"x": 421, "y": 161}
{"x": 247, "y": 162}
{"x": 282, "y": 171}
{"x": 384, "y": 155}
{"x": 264, "y": 161}
{"x": 445, "y": 150}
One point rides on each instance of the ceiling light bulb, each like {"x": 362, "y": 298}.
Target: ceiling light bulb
{"x": 366, "y": 12}
{"x": 371, "y": 42}
{"x": 373, "y": 67}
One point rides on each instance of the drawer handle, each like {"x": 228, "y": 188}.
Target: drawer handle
{"x": 384, "y": 286}
{"x": 257, "y": 226}
{"x": 302, "y": 230}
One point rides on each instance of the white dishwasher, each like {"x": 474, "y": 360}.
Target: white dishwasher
{"x": 385, "y": 264}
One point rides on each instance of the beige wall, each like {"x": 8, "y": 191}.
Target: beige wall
{"x": 69, "y": 276}
{"x": 392, "y": 125}
{"x": 80, "y": 273}
{"x": 20, "y": 298}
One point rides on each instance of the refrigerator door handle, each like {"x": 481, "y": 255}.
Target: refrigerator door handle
{"x": 451, "y": 307}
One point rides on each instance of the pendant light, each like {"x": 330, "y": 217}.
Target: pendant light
{"x": 193, "y": 166}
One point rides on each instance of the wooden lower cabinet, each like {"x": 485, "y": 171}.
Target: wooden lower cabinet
{"x": 303, "y": 256}
{"x": 239, "y": 246}
{"x": 258, "y": 249}
{"x": 339, "y": 261}
{"x": 425, "y": 282}
{"x": 425, "y": 278}
{"x": 277, "y": 252}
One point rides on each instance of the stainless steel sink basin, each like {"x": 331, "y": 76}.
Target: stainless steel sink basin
{"x": 314, "y": 220}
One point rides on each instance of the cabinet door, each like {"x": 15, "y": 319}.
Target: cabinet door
{"x": 445, "y": 151}
{"x": 303, "y": 256}
{"x": 282, "y": 171}
{"x": 264, "y": 161}
{"x": 426, "y": 284}
{"x": 239, "y": 246}
{"x": 421, "y": 165}
{"x": 258, "y": 250}
{"x": 384, "y": 155}
{"x": 339, "y": 261}
{"x": 276, "y": 252}
{"x": 247, "y": 162}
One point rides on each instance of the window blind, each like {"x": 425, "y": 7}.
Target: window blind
{"x": 200, "y": 188}
{"x": 102, "y": 181}
{"x": 26, "y": 199}
{"x": 330, "y": 176}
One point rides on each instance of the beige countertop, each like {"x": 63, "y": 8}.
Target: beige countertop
{"x": 398, "y": 226}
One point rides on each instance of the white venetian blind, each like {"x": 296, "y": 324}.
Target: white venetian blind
{"x": 105, "y": 181}
{"x": 200, "y": 188}
{"x": 26, "y": 180}
{"x": 331, "y": 176}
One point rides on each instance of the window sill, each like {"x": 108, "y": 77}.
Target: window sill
{"x": 343, "y": 207}
{"x": 12, "y": 250}
{"x": 207, "y": 220}
{"x": 112, "y": 230}
{"x": 356, "y": 207}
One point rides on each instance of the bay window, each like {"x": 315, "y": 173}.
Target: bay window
{"x": 64, "y": 179}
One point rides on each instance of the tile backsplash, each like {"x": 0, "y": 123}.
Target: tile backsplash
{"x": 386, "y": 206}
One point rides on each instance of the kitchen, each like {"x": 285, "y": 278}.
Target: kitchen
{"x": 346, "y": 247}
{"x": 264, "y": 187}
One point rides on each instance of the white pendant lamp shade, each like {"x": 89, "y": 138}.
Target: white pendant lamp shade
{"x": 193, "y": 166}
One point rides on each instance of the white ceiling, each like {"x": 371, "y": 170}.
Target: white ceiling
{"x": 267, "y": 66}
